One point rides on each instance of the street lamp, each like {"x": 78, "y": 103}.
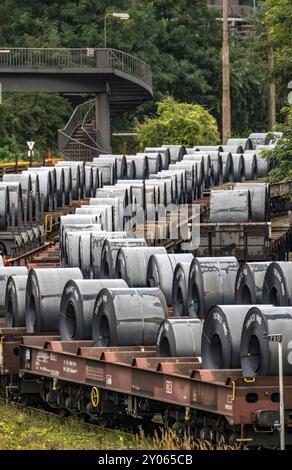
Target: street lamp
{"x": 121, "y": 16}
{"x": 277, "y": 338}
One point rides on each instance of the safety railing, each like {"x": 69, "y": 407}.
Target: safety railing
{"x": 75, "y": 58}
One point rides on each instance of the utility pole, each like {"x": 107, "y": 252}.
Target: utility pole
{"x": 226, "y": 119}
{"x": 272, "y": 91}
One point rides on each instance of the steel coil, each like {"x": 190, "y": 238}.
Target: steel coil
{"x": 131, "y": 173}
{"x": 105, "y": 214}
{"x": 249, "y": 283}
{"x": 15, "y": 301}
{"x": 107, "y": 168}
{"x": 160, "y": 271}
{"x": 128, "y": 317}
{"x": 73, "y": 228}
{"x": 164, "y": 153}
{"x": 96, "y": 243}
{"x": 250, "y": 166}
{"x": 278, "y": 284}
{"x": 228, "y": 168}
{"x": 258, "y": 138}
{"x": 123, "y": 193}
{"x": 5, "y": 219}
{"x": 179, "y": 337}
{"x": 109, "y": 253}
{"x": 120, "y": 162}
{"x": 60, "y": 189}
{"x": 232, "y": 148}
{"x": 246, "y": 144}
{"x": 230, "y": 206}
{"x": 238, "y": 167}
{"x": 176, "y": 152}
{"x": 259, "y": 356}
{"x": 154, "y": 161}
{"x": 141, "y": 166}
{"x": 76, "y": 177}
{"x": 46, "y": 187}
{"x": 77, "y": 303}
{"x": 5, "y": 272}
{"x": 190, "y": 178}
{"x": 222, "y": 335}
{"x": 211, "y": 282}
{"x": 43, "y": 297}
{"x": 259, "y": 199}
{"x": 131, "y": 264}
{"x": 26, "y": 187}
{"x": 118, "y": 209}
{"x": 180, "y": 289}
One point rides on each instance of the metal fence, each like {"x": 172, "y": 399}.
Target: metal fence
{"x": 75, "y": 59}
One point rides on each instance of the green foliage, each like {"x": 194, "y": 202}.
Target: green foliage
{"x": 178, "y": 123}
{"x": 283, "y": 152}
{"x": 278, "y": 27}
{"x": 33, "y": 116}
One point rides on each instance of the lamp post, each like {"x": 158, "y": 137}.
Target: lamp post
{"x": 277, "y": 338}
{"x": 121, "y": 16}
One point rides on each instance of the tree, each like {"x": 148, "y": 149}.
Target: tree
{"x": 178, "y": 123}
{"x": 283, "y": 152}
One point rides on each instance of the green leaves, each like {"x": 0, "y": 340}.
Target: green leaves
{"x": 178, "y": 123}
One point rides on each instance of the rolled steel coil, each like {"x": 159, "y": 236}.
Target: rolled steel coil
{"x": 67, "y": 170}
{"x": 77, "y": 303}
{"x": 238, "y": 167}
{"x": 60, "y": 190}
{"x": 154, "y": 161}
{"x": 228, "y": 168}
{"x": 5, "y": 272}
{"x": 118, "y": 209}
{"x": 160, "y": 270}
{"x": 76, "y": 177}
{"x": 52, "y": 197}
{"x": 26, "y": 186}
{"x": 179, "y": 337}
{"x": 246, "y": 144}
{"x": 190, "y": 178}
{"x": 259, "y": 199}
{"x": 105, "y": 214}
{"x": 73, "y": 228}
{"x": 131, "y": 264}
{"x": 15, "y": 215}
{"x": 202, "y": 170}
{"x": 122, "y": 192}
{"x": 109, "y": 253}
{"x": 170, "y": 187}
{"x": 222, "y": 335}
{"x": 107, "y": 167}
{"x": 71, "y": 251}
{"x": 250, "y": 166}
{"x": 137, "y": 190}
{"x": 217, "y": 164}
{"x": 141, "y": 166}
{"x": 121, "y": 164}
{"x": 176, "y": 152}
{"x": 249, "y": 283}
{"x": 96, "y": 243}
{"x": 180, "y": 289}
{"x": 46, "y": 188}
{"x": 164, "y": 153}
{"x": 259, "y": 356}
{"x": 88, "y": 181}
{"x": 15, "y": 301}
{"x": 230, "y": 206}
{"x": 128, "y": 317}
{"x": 78, "y": 219}
{"x": 278, "y": 284}
{"x": 131, "y": 173}
{"x": 258, "y": 138}
{"x": 211, "y": 282}
{"x": 43, "y": 297}
{"x": 181, "y": 182}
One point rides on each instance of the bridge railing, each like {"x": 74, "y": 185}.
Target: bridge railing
{"x": 75, "y": 58}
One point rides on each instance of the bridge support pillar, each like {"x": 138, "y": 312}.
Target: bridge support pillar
{"x": 103, "y": 120}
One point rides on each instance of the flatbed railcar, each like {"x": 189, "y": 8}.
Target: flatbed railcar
{"x": 104, "y": 384}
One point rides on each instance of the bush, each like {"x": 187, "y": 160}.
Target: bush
{"x": 178, "y": 123}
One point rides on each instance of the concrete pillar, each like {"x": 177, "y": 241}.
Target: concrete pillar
{"x": 103, "y": 120}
